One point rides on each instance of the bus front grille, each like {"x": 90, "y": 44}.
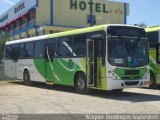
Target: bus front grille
{"x": 131, "y": 78}
{"x": 131, "y": 83}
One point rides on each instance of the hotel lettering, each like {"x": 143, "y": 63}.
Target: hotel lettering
{"x": 83, "y": 5}
{"x": 19, "y": 8}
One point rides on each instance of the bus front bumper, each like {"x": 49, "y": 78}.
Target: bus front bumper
{"x": 113, "y": 84}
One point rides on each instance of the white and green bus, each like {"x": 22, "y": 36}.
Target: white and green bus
{"x": 153, "y": 34}
{"x": 106, "y": 57}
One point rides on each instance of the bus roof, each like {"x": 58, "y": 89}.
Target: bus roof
{"x": 152, "y": 29}
{"x": 78, "y": 31}
{"x": 60, "y": 34}
{"x": 67, "y": 33}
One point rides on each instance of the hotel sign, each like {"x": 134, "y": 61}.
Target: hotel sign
{"x": 5, "y": 17}
{"x": 83, "y": 5}
{"x": 18, "y": 9}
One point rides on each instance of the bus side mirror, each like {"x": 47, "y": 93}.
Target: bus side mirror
{"x": 158, "y": 53}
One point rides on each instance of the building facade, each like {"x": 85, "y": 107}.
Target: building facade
{"x": 30, "y": 18}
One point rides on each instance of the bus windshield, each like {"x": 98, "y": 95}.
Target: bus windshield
{"x": 128, "y": 52}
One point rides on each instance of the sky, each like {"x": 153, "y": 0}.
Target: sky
{"x": 141, "y": 11}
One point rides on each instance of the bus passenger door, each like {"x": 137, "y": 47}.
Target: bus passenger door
{"x": 90, "y": 62}
{"x": 95, "y": 61}
{"x": 49, "y": 56}
{"x": 99, "y": 61}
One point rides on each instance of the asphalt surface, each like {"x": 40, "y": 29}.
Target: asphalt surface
{"x": 16, "y": 98}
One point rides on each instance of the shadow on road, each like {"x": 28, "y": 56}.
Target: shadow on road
{"x": 124, "y": 96}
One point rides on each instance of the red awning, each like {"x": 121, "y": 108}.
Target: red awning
{"x": 15, "y": 19}
{"x": 9, "y": 22}
{"x": 3, "y": 26}
{"x": 27, "y": 12}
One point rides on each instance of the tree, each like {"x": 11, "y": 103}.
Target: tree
{"x": 2, "y": 46}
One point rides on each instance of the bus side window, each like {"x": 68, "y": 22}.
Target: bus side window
{"x": 15, "y": 52}
{"x": 8, "y": 52}
{"x": 64, "y": 47}
{"x": 80, "y": 45}
{"x": 22, "y": 49}
{"x": 29, "y": 50}
{"x": 38, "y": 50}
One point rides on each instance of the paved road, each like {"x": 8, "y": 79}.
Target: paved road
{"x": 15, "y": 98}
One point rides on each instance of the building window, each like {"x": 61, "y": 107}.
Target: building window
{"x": 27, "y": 35}
{"x": 32, "y": 15}
{"x": 24, "y": 20}
{"x": 17, "y": 23}
{"x": 12, "y": 26}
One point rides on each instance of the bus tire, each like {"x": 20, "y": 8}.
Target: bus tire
{"x": 26, "y": 78}
{"x": 81, "y": 83}
{"x": 152, "y": 80}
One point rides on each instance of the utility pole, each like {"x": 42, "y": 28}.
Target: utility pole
{"x": 91, "y": 13}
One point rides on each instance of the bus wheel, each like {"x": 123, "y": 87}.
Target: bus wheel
{"x": 81, "y": 84}
{"x": 26, "y": 78}
{"x": 152, "y": 80}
